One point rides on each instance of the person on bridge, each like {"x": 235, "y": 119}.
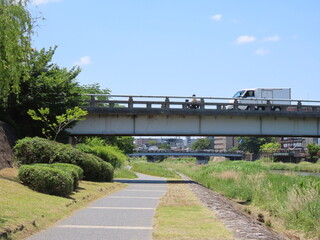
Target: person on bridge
{"x": 194, "y": 102}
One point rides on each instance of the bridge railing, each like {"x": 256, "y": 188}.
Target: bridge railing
{"x": 213, "y": 103}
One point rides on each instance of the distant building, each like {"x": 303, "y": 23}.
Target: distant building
{"x": 224, "y": 143}
{"x": 296, "y": 142}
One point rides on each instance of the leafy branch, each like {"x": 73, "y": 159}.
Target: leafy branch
{"x": 61, "y": 121}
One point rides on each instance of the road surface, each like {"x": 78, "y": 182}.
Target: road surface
{"x": 124, "y": 215}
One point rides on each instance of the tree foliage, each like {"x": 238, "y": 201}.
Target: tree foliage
{"x": 313, "y": 149}
{"x": 253, "y": 144}
{"x": 124, "y": 143}
{"x": 94, "y": 88}
{"x": 16, "y": 25}
{"x": 49, "y": 86}
{"x": 61, "y": 121}
{"x": 201, "y": 144}
{"x": 270, "y": 145}
{"x": 164, "y": 146}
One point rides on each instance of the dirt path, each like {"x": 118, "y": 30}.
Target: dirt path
{"x": 242, "y": 226}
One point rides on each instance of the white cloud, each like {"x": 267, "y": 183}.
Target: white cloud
{"x": 245, "y": 39}
{"x": 83, "y": 61}
{"x": 274, "y": 38}
{"x": 262, "y": 51}
{"x": 216, "y": 17}
{"x": 39, "y": 2}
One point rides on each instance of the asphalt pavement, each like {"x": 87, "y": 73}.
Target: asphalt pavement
{"x": 123, "y": 215}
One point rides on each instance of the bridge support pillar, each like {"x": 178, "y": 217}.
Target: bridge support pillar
{"x": 150, "y": 158}
{"x": 202, "y": 159}
{"x": 72, "y": 141}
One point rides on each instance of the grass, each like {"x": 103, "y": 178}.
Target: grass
{"x": 180, "y": 216}
{"x": 124, "y": 173}
{"x": 154, "y": 169}
{"x": 293, "y": 199}
{"x": 300, "y": 167}
{"x": 20, "y": 217}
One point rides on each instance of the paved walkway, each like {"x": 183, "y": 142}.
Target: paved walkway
{"x": 126, "y": 214}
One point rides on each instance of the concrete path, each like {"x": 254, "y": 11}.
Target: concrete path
{"x": 126, "y": 214}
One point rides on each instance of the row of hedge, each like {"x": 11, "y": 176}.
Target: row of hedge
{"x": 40, "y": 150}
{"x": 57, "y": 179}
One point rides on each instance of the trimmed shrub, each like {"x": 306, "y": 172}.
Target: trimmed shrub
{"x": 33, "y": 150}
{"x": 107, "y": 171}
{"x": 75, "y": 171}
{"x": 73, "y": 167}
{"x": 39, "y": 150}
{"x": 47, "y": 180}
{"x": 110, "y": 154}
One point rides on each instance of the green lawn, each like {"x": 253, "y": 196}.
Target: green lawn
{"x": 30, "y": 211}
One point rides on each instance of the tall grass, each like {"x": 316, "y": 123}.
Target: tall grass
{"x": 301, "y": 167}
{"x": 296, "y": 199}
{"x": 154, "y": 169}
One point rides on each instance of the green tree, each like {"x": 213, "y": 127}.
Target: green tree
{"x": 152, "y": 143}
{"x": 94, "y": 88}
{"x": 313, "y": 149}
{"x": 201, "y": 144}
{"x": 124, "y": 143}
{"x": 49, "y": 86}
{"x": 16, "y": 29}
{"x": 270, "y": 145}
{"x": 61, "y": 121}
{"x": 253, "y": 144}
{"x": 164, "y": 146}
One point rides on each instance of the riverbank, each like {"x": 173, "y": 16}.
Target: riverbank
{"x": 287, "y": 203}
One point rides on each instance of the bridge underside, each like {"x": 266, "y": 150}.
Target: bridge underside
{"x": 196, "y": 125}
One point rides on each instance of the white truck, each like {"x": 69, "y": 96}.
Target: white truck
{"x": 257, "y": 97}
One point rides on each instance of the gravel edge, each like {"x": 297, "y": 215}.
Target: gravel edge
{"x": 242, "y": 226}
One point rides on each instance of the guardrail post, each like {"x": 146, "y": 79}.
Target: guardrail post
{"x": 235, "y": 105}
{"x": 202, "y": 103}
{"x": 92, "y": 101}
{"x": 299, "y": 107}
{"x": 130, "y": 102}
{"x": 167, "y": 103}
{"x": 268, "y": 107}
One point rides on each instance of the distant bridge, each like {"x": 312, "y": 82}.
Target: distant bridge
{"x": 173, "y": 116}
{"x": 237, "y": 154}
{"x": 201, "y": 156}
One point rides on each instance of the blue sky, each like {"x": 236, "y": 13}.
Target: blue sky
{"x": 181, "y": 47}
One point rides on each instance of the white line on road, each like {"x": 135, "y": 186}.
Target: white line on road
{"x": 138, "y": 190}
{"x": 122, "y": 208}
{"x": 105, "y": 227}
{"x": 134, "y": 197}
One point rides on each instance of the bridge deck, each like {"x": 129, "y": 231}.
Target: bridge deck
{"x": 129, "y": 105}
{"x": 164, "y": 116}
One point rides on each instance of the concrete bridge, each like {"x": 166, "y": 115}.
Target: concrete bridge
{"x": 174, "y": 116}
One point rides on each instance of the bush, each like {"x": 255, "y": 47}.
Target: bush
{"x": 47, "y": 180}
{"x": 106, "y": 168}
{"x": 39, "y": 150}
{"x": 75, "y": 172}
{"x": 108, "y": 153}
{"x": 78, "y": 170}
